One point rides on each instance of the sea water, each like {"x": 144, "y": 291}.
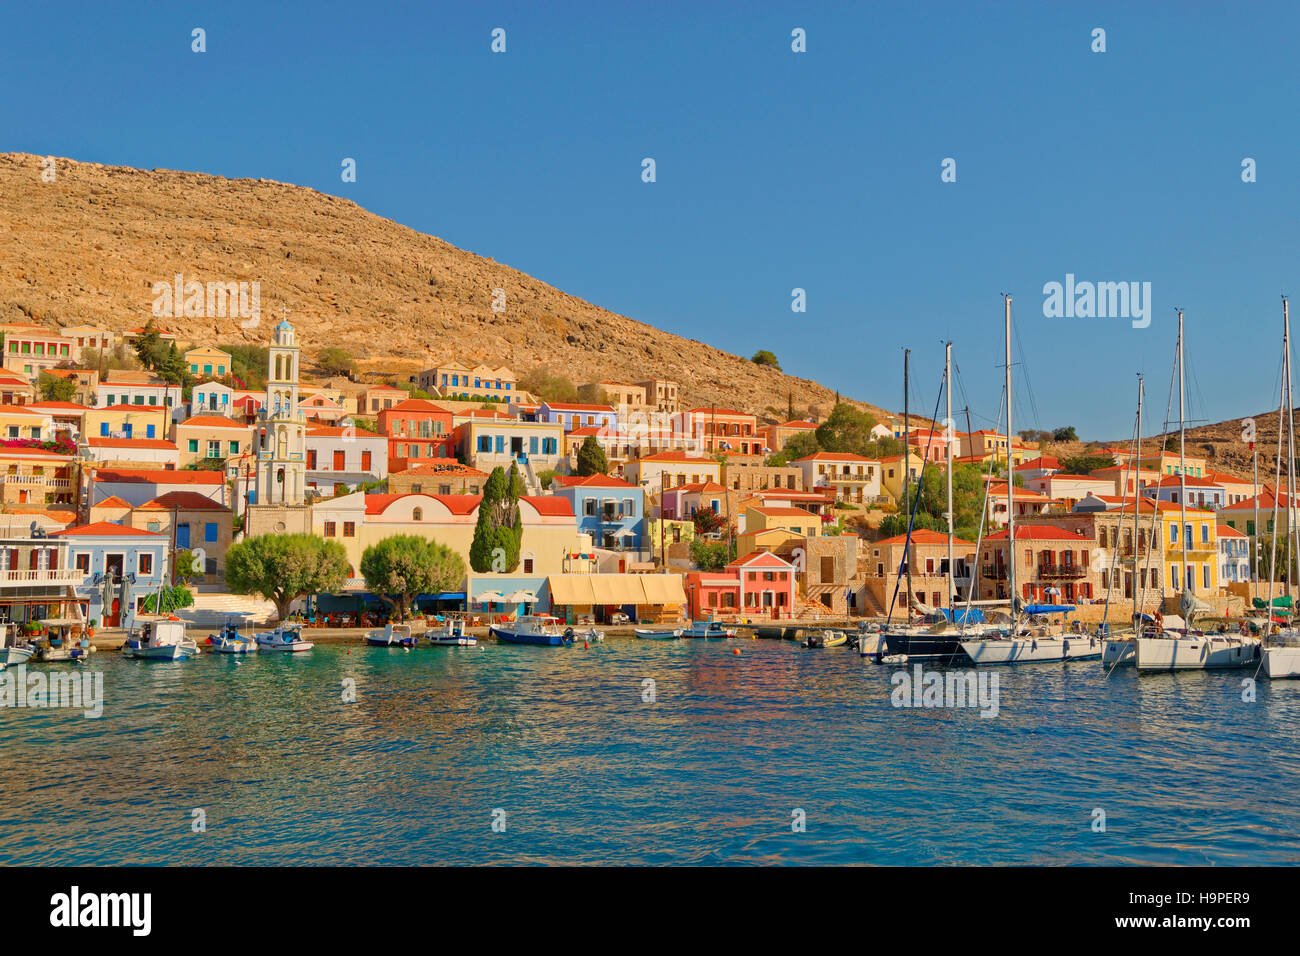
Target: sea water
{"x": 644, "y": 752}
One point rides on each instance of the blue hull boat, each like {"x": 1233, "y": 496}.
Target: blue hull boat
{"x": 533, "y": 629}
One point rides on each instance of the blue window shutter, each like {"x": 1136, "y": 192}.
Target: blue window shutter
{"x": 210, "y": 531}
{"x": 103, "y": 428}
{"x": 148, "y": 430}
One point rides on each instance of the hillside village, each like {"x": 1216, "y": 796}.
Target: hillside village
{"x": 135, "y": 462}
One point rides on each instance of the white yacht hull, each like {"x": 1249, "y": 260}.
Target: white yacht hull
{"x": 13, "y": 656}
{"x": 1207, "y": 652}
{"x": 1282, "y": 662}
{"x": 1033, "y": 650}
{"x": 1119, "y": 653}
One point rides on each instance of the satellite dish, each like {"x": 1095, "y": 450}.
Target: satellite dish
{"x": 36, "y": 531}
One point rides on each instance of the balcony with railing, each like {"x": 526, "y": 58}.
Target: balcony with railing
{"x": 1053, "y": 571}
{"x": 41, "y": 576}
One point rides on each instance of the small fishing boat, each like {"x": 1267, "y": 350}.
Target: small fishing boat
{"x": 392, "y": 635}
{"x": 712, "y": 630}
{"x": 541, "y": 629}
{"x": 591, "y": 636}
{"x": 229, "y": 641}
{"x": 826, "y": 638}
{"x": 13, "y": 648}
{"x": 159, "y": 640}
{"x": 62, "y": 642}
{"x": 452, "y": 633}
{"x": 286, "y": 637}
{"x": 658, "y": 633}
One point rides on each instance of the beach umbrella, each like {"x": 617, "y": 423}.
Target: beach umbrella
{"x": 490, "y": 597}
{"x": 521, "y": 597}
{"x": 106, "y": 594}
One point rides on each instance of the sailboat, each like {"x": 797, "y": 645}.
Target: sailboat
{"x": 1281, "y": 649}
{"x": 1032, "y": 639}
{"x": 1186, "y": 648}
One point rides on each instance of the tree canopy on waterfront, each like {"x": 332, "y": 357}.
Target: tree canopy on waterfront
{"x": 285, "y": 567}
{"x": 498, "y": 533}
{"x": 404, "y": 566}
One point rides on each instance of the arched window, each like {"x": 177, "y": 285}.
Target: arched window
{"x": 417, "y": 514}
{"x": 282, "y": 446}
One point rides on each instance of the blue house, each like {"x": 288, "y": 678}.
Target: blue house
{"x": 572, "y": 415}
{"x": 117, "y": 568}
{"x": 610, "y": 510}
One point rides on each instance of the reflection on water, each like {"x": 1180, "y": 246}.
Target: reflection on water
{"x": 560, "y": 739}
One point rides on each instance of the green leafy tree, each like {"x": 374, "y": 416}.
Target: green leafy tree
{"x": 185, "y": 568}
{"x": 548, "y": 386}
{"x": 896, "y": 524}
{"x": 764, "y": 357}
{"x": 498, "y": 532}
{"x": 173, "y": 599}
{"x": 712, "y": 555}
{"x": 846, "y": 429}
{"x": 708, "y": 521}
{"x": 1083, "y": 464}
{"x": 591, "y": 458}
{"x": 148, "y": 345}
{"x": 797, "y": 446}
{"x": 404, "y": 566}
{"x": 1065, "y": 434}
{"x": 285, "y": 567}
{"x": 55, "y": 388}
{"x": 335, "y": 361}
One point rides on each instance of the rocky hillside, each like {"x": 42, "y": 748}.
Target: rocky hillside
{"x": 88, "y": 247}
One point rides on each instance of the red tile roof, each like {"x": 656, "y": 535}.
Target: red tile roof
{"x": 592, "y": 481}
{"x": 1038, "y": 533}
{"x": 104, "y": 528}
{"x": 97, "y": 441}
{"x": 160, "y": 476}
{"x": 182, "y": 501}
{"x": 926, "y": 536}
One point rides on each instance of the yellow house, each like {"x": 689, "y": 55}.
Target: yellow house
{"x": 667, "y": 469}
{"x": 208, "y": 362}
{"x": 1191, "y": 561}
{"x": 211, "y": 437}
{"x": 795, "y": 520}
{"x": 358, "y": 520}
{"x": 20, "y": 421}
{"x": 893, "y": 469}
{"x": 126, "y": 421}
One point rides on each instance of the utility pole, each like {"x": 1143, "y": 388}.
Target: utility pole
{"x": 947, "y": 391}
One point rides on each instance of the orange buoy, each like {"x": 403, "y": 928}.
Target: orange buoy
{"x": 736, "y": 651}
{"x": 585, "y": 645}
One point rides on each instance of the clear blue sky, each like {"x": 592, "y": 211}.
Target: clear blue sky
{"x": 776, "y": 170}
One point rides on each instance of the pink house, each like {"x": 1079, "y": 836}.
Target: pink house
{"x": 760, "y": 584}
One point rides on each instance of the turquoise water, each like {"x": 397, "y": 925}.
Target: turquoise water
{"x": 586, "y": 772}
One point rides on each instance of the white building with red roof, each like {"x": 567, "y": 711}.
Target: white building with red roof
{"x": 849, "y": 477}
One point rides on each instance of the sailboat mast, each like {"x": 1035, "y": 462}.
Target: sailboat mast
{"x": 1188, "y": 580}
{"x": 947, "y": 391}
{"x": 1137, "y": 500}
{"x": 1011, "y": 510}
{"x": 907, "y": 481}
{"x": 1291, "y": 530}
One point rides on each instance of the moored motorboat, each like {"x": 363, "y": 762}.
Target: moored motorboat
{"x": 14, "y": 649}
{"x": 64, "y": 640}
{"x": 159, "y": 640}
{"x": 287, "y": 638}
{"x": 452, "y": 633}
{"x": 392, "y": 635}
{"x": 540, "y": 629}
{"x": 1196, "y": 651}
{"x": 658, "y": 633}
{"x": 713, "y": 630}
{"x": 826, "y": 638}
{"x": 1282, "y": 655}
{"x": 229, "y": 641}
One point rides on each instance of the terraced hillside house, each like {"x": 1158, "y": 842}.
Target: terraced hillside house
{"x": 1127, "y": 560}
{"x": 31, "y": 349}
{"x": 416, "y": 431}
{"x": 1234, "y": 556}
{"x": 885, "y": 574}
{"x": 571, "y": 415}
{"x": 609, "y": 510}
{"x": 131, "y": 452}
{"x": 746, "y": 476}
{"x": 666, "y": 469}
{"x": 358, "y": 520}
{"x": 208, "y": 362}
{"x": 23, "y": 422}
{"x": 16, "y": 389}
{"x": 714, "y": 430}
{"x": 775, "y": 436}
{"x": 212, "y": 398}
{"x": 453, "y": 379}
{"x": 127, "y": 421}
{"x": 339, "y": 460}
{"x": 662, "y": 394}
{"x": 1201, "y": 492}
{"x": 194, "y": 523}
{"x": 376, "y": 398}
{"x": 756, "y": 586}
{"x": 135, "y": 486}
{"x": 1053, "y": 565}
{"x": 1242, "y": 515}
{"x": 442, "y": 477}
{"x": 851, "y": 478}
{"x": 37, "y": 476}
{"x": 134, "y": 561}
{"x": 487, "y": 443}
{"x": 211, "y": 438}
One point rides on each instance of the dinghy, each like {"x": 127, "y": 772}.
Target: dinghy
{"x": 286, "y": 638}
{"x": 392, "y": 635}
{"x": 452, "y": 633}
{"x": 229, "y": 641}
{"x": 658, "y": 634}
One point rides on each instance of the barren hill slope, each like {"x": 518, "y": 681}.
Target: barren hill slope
{"x": 88, "y": 247}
